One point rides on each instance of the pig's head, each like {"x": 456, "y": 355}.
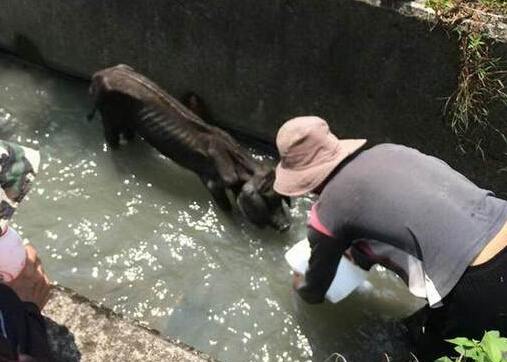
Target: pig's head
{"x": 261, "y": 204}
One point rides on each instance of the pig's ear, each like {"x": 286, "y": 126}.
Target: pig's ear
{"x": 193, "y": 102}
{"x": 252, "y": 205}
{"x": 263, "y": 180}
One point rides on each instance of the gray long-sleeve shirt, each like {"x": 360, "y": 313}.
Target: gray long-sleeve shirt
{"x": 407, "y": 210}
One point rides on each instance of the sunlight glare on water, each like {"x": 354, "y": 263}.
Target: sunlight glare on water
{"x": 132, "y": 230}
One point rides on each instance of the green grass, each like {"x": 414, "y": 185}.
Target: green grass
{"x": 481, "y": 76}
{"x": 495, "y": 4}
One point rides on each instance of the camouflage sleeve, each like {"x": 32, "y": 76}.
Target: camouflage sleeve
{"x": 18, "y": 167}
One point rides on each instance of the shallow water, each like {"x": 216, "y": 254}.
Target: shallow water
{"x": 139, "y": 234}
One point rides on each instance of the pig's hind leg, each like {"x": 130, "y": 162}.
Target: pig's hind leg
{"x": 111, "y": 122}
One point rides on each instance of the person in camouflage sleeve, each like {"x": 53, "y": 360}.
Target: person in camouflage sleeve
{"x": 23, "y": 334}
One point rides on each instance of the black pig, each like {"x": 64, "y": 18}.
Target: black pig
{"x": 130, "y": 103}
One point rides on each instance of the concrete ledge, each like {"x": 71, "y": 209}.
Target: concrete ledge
{"x": 80, "y": 330}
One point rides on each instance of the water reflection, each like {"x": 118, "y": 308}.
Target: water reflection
{"x": 131, "y": 229}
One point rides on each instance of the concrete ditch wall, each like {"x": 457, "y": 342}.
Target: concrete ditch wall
{"x": 373, "y": 70}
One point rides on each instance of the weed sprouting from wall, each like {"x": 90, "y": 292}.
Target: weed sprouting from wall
{"x": 480, "y": 83}
{"x": 481, "y": 76}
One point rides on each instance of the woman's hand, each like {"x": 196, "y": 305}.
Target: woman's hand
{"x": 297, "y": 280}
{"x": 32, "y": 284}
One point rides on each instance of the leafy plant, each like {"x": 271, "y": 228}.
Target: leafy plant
{"x": 492, "y": 348}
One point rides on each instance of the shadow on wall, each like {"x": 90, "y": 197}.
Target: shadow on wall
{"x": 62, "y": 343}
{"x": 25, "y": 48}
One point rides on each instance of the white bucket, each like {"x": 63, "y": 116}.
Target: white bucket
{"x": 348, "y": 275}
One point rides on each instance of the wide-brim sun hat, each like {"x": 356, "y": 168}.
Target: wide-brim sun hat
{"x": 309, "y": 152}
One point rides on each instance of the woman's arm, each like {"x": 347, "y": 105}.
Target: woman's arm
{"x": 326, "y": 254}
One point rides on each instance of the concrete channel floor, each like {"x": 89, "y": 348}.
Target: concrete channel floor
{"x": 80, "y": 330}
